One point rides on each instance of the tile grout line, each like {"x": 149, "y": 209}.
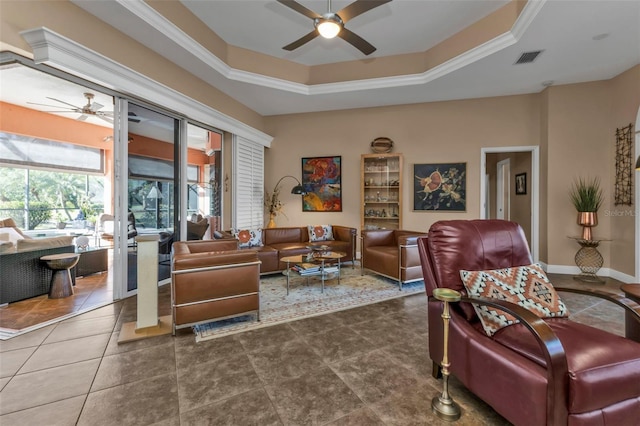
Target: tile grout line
{"x": 104, "y": 351}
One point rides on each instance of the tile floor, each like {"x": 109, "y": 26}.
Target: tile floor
{"x": 365, "y": 366}
{"x": 89, "y": 292}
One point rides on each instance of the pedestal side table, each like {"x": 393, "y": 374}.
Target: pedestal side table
{"x": 61, "y": 285}
{"x": 589, "y": 260}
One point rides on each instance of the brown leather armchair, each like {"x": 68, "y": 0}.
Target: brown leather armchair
{"x": 211, "y": 280}
{"x": 550, "y": 371}
{"x": 392, "y": 253}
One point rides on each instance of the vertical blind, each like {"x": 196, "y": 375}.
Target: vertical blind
{"x": 248, "y": 163}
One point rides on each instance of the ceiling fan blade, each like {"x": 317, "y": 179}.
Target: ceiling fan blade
{"x": 83, "y": 117}
{"x": 107, "y": 119}
{"x": 358, "y": 8}
{"x": 96, "y": 106}
{"x": 357, "y": 41}
{"x": 302, "y": 40}
{"x": 105, "y": 113}
{"x": 300, "y": 8}
{"x": 63, "y": 102}
{"x": 51, "y": 106}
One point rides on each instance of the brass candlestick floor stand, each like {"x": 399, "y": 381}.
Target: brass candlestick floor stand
{"x": 444, "y": 406}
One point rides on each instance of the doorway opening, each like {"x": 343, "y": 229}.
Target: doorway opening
{"x": 498, "y": 169}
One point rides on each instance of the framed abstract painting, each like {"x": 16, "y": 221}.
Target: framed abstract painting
{"x": 322, "y": 180}
{"x": 440, "y": 187}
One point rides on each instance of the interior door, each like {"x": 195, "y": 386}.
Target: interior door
{"x": 503, "y": 189}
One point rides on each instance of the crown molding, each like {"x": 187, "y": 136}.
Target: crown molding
{"x": 60, "y": 52}
{"x": 156, "y": 20}
{"x": 149, "y": 15}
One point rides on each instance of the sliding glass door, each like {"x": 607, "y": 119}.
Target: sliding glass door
{"x": 167, "y": 160}
{"x": 152, "y": 139}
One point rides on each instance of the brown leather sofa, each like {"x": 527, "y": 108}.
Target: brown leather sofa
{"x": 392, "y": 253}
{"x": 280, "y": 242}
{"x": 213, "y": 280}
{"x": 550, "y": 371}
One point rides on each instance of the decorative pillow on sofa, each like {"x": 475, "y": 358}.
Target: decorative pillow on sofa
{"x": 248, "y": 237}
{"x": 320, "y": 233}
{"x": 527, "y": 286}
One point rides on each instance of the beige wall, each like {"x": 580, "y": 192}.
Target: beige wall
{"x": 544, "y": 171}
{"x": 441, "y": 132}
{"x": 579, "y": 146}
{"x": 624, "y": 110}
{"x": 573, "y": 125}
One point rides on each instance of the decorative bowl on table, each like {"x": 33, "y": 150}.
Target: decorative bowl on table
{"x": 318, "y": 250}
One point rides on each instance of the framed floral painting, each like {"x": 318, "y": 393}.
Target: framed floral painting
{"x": 440, "y": 187}
{"x": 322, "y": 180}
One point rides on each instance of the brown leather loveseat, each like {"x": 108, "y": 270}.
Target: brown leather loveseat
{"x": 392, "y": 253}
{"x": 212, "y": 280}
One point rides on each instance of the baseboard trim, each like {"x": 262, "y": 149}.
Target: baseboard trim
{"x": 574, "y": 270}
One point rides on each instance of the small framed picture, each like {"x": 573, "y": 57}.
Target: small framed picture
{"x": 521, "y": 184}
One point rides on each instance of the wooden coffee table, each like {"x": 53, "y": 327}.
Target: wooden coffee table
{"x": 324, "y": 260}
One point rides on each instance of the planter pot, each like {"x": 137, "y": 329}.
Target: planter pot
{"x": 587, "y": 220}
{"x": 61, "y": 225}
{"x": 272, "y": 221}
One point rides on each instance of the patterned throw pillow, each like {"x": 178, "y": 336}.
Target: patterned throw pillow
{"x": 248, "y": 237}
{"x": 527, "y": 286}
{"x": 320, "y": 233}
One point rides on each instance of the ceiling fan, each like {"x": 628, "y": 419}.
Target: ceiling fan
{"x": 91, "y": 108}
{"x": 330, "y": 24}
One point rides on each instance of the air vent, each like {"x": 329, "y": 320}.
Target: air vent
{"x": 528, "y": 57}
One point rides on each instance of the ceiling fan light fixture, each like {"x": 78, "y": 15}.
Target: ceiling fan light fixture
{"x": 329, "y": 26}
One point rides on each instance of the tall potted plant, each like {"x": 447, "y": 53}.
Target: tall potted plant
{"x": 586, "y": 196}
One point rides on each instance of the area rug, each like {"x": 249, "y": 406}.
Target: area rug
{"x": 306, "y": 300}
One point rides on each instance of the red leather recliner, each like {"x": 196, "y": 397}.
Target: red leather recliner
{"x": 538, "y": 372}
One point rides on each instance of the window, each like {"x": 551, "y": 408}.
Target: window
{"x": 28, "y": 151}
{"x": 51, "y": 197}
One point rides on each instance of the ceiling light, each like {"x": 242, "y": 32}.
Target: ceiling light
{"x": 329, "y": 25}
